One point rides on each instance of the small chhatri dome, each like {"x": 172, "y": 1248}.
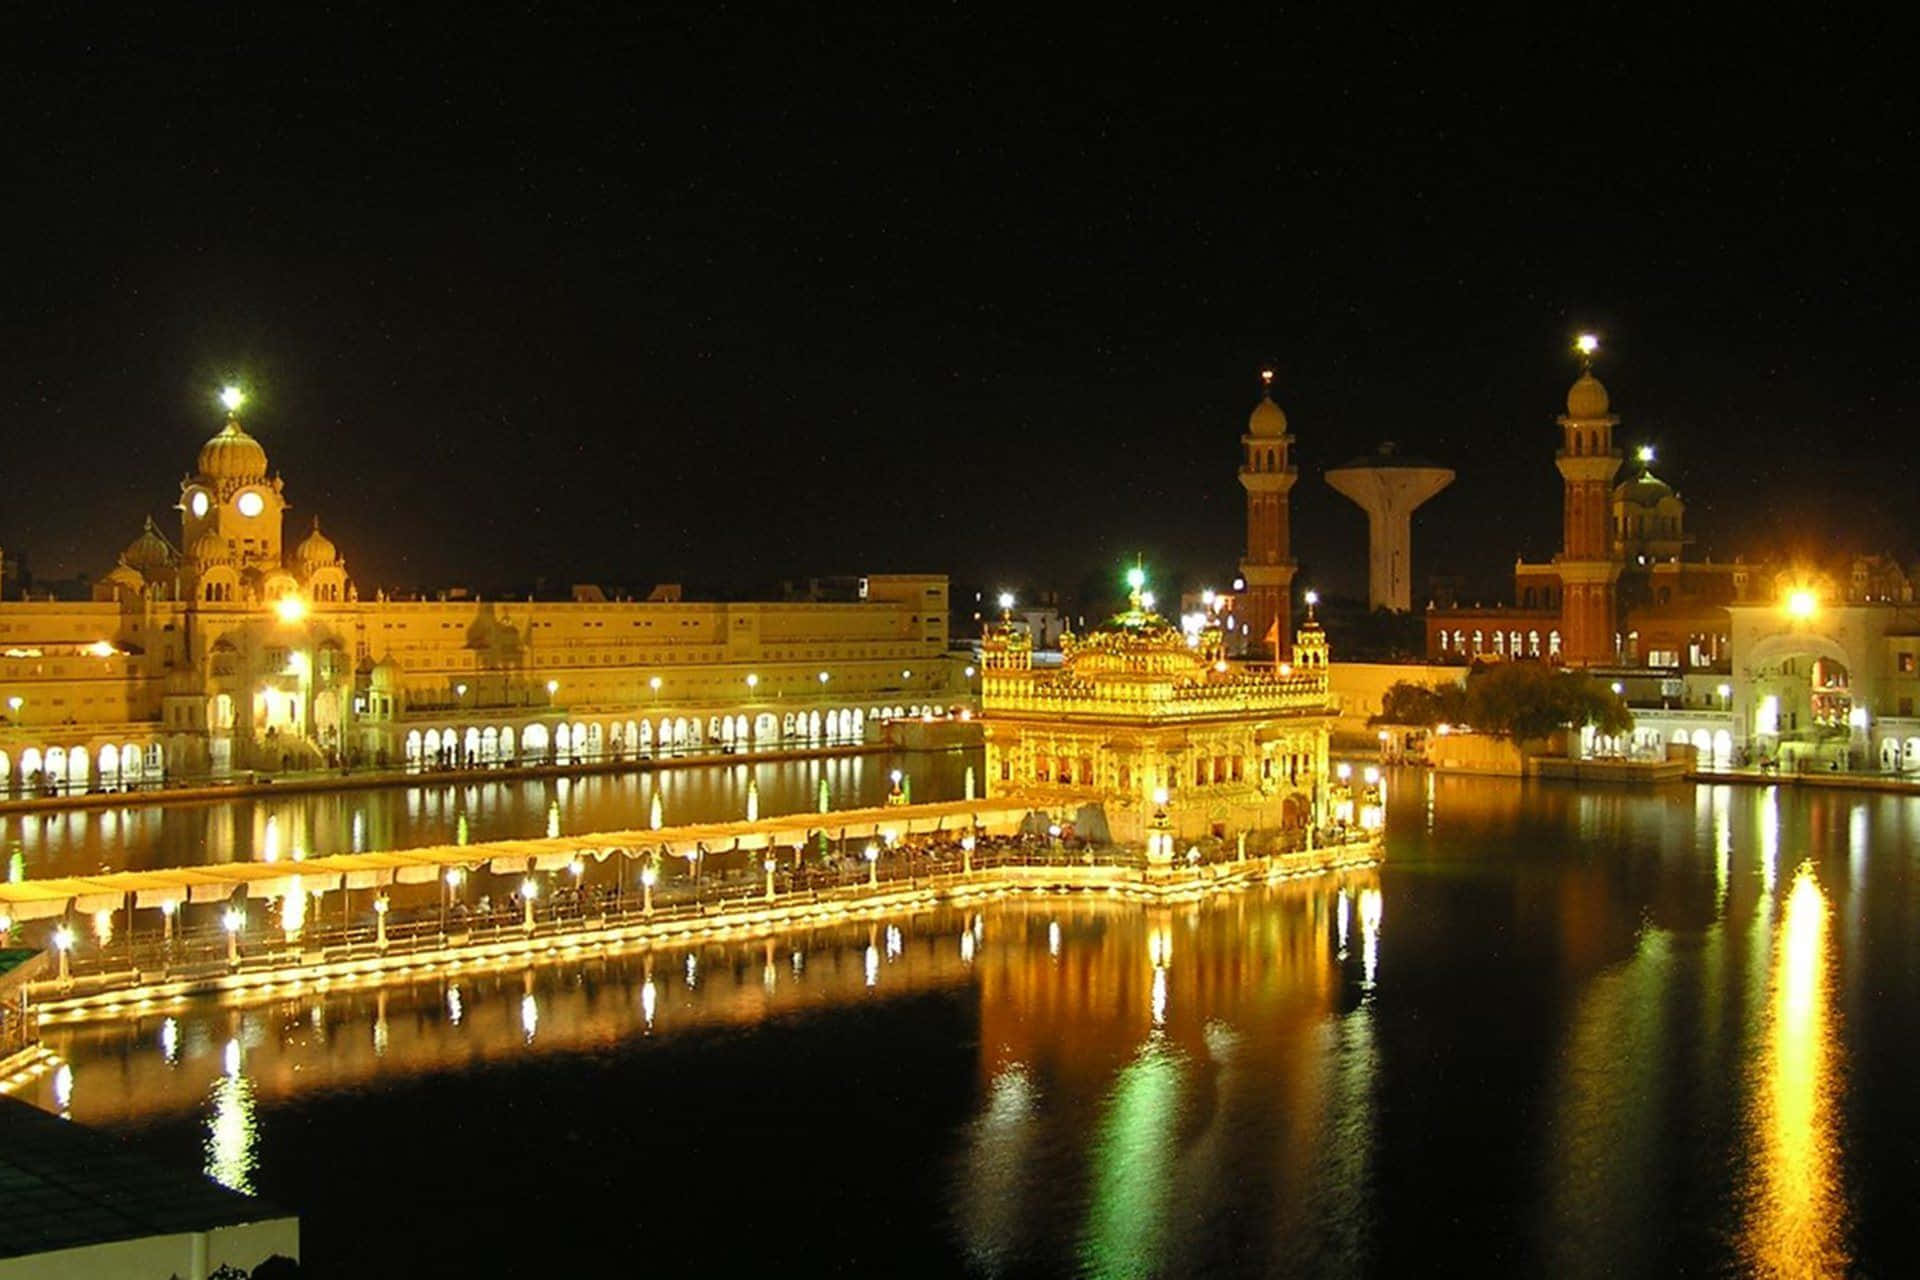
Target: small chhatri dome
{"x": 316, "y": 549}
{"x": 233, "y": 455}
{"x": 386, "y": 674}
{"x": 1586, "y": 398}
{"x": 149, "y": 551}
{"x": 126, "y": 576}
{"x": 208, "y": 547}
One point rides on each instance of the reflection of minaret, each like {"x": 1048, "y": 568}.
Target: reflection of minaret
{"x": 1588, "y": 571}
{"x": 1267, "y": 475}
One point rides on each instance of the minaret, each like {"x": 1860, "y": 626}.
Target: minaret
{"x": 1588, "y": 571}
{"x": 1267, "y": 474}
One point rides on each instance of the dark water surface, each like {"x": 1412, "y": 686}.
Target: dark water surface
{"x": 1559, "y": 1032}
{"x": 140, "y": 837}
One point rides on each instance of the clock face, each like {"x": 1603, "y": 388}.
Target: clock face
{"x": 251, "y": 504}
{"x": 198, "y": 503}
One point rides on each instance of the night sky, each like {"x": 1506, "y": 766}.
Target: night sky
{"x": 713, "y": 297}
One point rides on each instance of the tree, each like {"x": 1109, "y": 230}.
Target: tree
{"x": 1529, "y": 700}
{"x": 1408, "y": 703}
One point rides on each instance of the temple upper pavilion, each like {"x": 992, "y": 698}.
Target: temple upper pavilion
{"x": 1161, "y": 730}
{"x": 229, "y": 649}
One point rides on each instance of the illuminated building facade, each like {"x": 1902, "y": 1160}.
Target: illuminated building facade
{"x": 230, "y": 650}
{"x": 1734, "y": 660}
{"x": 1159, "y": 728}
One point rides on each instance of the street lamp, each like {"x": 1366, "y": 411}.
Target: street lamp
{"x": 647, "y": 876}
{"x": 529, "y": 890}
{"x": 380, "y": 922}
{"x": 452, "y": 881}
{"x": 766, "y": 865}
{"x": 1801, "y": 603}
{"x": 63, "y": 944}
{"x": 753, "y": 680}
{"x": 872, "y": 855}
{"x": 235, "y": 920}
{"x": 824, "y": 677}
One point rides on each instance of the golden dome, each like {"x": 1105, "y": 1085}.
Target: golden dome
{"x": 149, "y": 551}
{"x": 386, "y": 674}
{"x": 316, "y": 549}
{"x": 209, "y": 547}
{"x": 233, "y": 455}
{"x": 1586, "y": 398}
{"x": 1267, "y": 419}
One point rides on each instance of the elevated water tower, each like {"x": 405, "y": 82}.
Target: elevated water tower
{"x": 1388, "y": 485}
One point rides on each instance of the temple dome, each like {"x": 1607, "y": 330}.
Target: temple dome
{"x": 233, "y": 455}
{"x": 385, "y": 675}
{"x": 1267, "y": 419}
{"x": 1586, "y": 398}
{"x": 208, "y": 547}
{"x": 149, "y": 551}
{"x": 316, "y": 549}
{"x": 1644, "y": 490}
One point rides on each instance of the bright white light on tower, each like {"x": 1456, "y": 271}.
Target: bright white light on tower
{"x": 1646, "y": 453}
{"x": 1136, "y": 577}
{"x": 233, "y": 398}
{"x": 1313, "y": 597}
{"x": 1587, "y": 343}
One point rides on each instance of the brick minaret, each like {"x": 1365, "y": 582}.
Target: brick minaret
{"x": 1267, "y": 474}
{"x": 1588, "y": 571}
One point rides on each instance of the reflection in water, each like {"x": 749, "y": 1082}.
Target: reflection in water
{"x": 302, "y": 825}
{"x": 1796, "y": 1213}
{"x": 1370, "y": 909}
{"x": 992, "y": 1190}
{"x": 1126, "y": 1232}
{"x": 1769, "y": 801}
{"x": 1619, "y": 1053}
{"x": 231, "y": 1129}
{"x": 1602, "y": 1150}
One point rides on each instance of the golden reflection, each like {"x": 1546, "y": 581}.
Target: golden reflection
{"x": 231, "y": 1130}
{"x": 1370, "y": 911}
{"x": 1770, "y": 837}
{"x": 1796, "y": 1213}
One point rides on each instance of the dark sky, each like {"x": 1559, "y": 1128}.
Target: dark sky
{"x": 716, "y": 297}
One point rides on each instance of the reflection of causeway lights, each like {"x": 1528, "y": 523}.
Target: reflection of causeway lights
{"x": 1370, "y": 910}
{"x": 1797, "y": 1219}
{"x": 1159, "y": 996}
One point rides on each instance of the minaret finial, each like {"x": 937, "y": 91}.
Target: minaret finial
{"x": 1587, "y": 344}
{"x": 1266, "y": 380}
{"x": 232, "y": 397}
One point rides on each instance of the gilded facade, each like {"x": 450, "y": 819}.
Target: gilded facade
{"x": 1162, "y": 730}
